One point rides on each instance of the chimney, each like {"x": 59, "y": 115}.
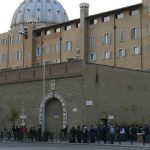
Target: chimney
{"x": 84, "y": 12}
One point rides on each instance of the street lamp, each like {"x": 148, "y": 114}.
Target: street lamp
{"x": 43, "y": 63}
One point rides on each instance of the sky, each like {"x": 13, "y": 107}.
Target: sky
{"x": 8, "y": 7}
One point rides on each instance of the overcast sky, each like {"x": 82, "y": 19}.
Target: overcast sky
{"x": 8, "y": 7}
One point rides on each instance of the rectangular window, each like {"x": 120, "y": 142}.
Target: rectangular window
{"x": 68, "y": 45}
{"x": 68, "y": 27}
{"x": 120, "y": 15}
{"x": 120, "y": 52}
{"x": 57, "y": 30}
{"x": 93, "y": 21}
{"x": 149, "y": 7}
{"x": 47, "y": 48}
{"x": 57, "y": 46}
{"x": 77, "y": 25}
{"x": 4, "y": 58}
{"x": 38, "y": 51}
{"x": 92, "y": 41}
{"x": 106, "y": 19}
{"x": 4, "y": 41}
{"x": 18, "y": 38}
{"x": 48, "y": 32}
{"x": 136, "y": 50}
{"x": 121, "y": 35}
{"x": 135, "y": 33}
{"x": 107, "y": 55}
{"x": 78, "y": 44}
{"x": 18, "y": 55}
{"x": 134, "y": 12}
{"x": 106, "y": 38}
{"x": 92, "y": 56}
{"x": 7, "y": 40}
{"x": 10, "y": 40}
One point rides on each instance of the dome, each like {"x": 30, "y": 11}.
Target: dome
{"x": 40, "y": 12}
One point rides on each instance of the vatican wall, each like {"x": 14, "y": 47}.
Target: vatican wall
{"x": 23, "y": 89}
{"x": 89, "y": 91}
{"x": 117, "y": 92}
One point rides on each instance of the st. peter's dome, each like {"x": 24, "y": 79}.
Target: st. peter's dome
{"x": 40, "y": 12}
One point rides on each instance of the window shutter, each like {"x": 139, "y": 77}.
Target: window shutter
{"x": 138, "y": 33}
{"x": 70, "y": 45}
{"x": 90, "y": 41}
{"x": 94, "y": 56}
{"x": 36, "y": 50}
{"x": 89, "y": 57}
{"x": 40, "y": 51}
{"x": 132, "y": 34}
{"x": 65, "y": 48}
{"x": 132, "y": 51}
{"x": 124, "y": 53}
{"x": 109, "y": 38}
{"x": 103, "y": 38}
{"x": 117, "y": 53}
{"x": 110, "y": 55}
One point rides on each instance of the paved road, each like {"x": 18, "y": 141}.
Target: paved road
{"x": 25, "y": 146}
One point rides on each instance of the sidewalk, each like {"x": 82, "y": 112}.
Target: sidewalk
{"x": 116, "y": 144}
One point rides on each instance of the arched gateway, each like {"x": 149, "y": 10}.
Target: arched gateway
{"x": 52, "y": 100}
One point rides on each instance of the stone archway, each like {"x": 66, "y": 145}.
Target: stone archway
{"x": 44, "y": 102}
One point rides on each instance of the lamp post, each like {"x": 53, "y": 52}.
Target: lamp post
{"x": 44, "y": 69}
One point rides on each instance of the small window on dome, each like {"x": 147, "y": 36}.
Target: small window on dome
{"x": 54, "y": 2}
{"x": 39, "y": 0}
{"x": 38, "y": 9}
{"x": 28, "y": 9}
{"x": 49, "y": 9}
{"x": 48, "y": 1}
{"x": 30, "y": 1}
{"x": 20, "y": 11}
{"x": 58, "y": 11}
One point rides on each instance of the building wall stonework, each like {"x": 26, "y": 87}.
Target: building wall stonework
{"x": 96, "y": 90}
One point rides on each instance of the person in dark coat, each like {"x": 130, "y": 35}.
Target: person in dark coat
{"x": 104, "y": 133}
{"x": 92, "y": 133}
{"x": 85, "y": 134}
{"x": 79, "y": 134}
{"x": 73, "y": 135}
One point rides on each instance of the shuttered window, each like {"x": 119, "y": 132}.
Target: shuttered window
{"x": 120, "y": 52}
{"x": 106, "y": 39}
{"x": 135, "y": 33}
{"x": 135, "y": 50}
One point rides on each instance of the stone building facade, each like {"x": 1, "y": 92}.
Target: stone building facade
{"x": 117, "y": 38}
{"x": 93, "y": 67}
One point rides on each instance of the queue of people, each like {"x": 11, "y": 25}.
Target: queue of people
{"x": 107, "y": 133}
{"x": 21, "y": 133}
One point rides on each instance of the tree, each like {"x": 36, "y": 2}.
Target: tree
{"x": 13, "y": 115}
